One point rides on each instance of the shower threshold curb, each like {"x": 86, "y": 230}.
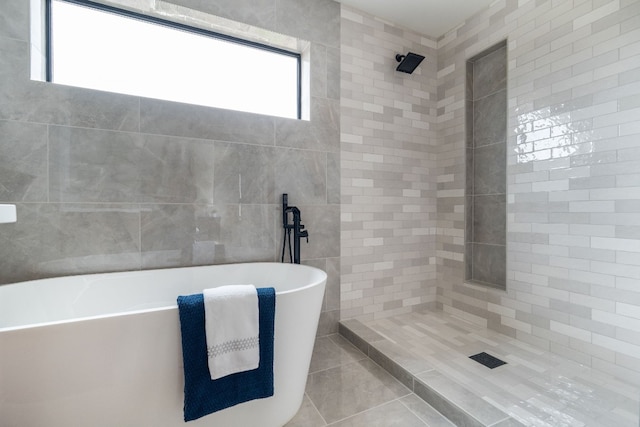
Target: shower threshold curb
{"x": 459, "y": 405}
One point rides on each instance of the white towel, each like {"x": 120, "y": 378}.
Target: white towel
{"x": 232, "y": 329}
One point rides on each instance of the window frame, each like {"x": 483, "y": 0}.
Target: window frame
{"x": 48, "y": 24}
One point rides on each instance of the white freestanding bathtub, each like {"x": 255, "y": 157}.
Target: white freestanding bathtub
{"x": 105, "y": 349}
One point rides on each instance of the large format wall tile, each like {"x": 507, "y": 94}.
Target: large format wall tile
{"x": 313, "y": 20}
{"x": 318, "y": 62}
{"x": 244, "y": 173}
{"x": 260, "y": 13}
{"x": 323, "y": 224}
{"x": 52, "y": 239}
{"x": 330, "y": 315}
{"x": 332, "y": 292}
{"x": 61, "y": 105}
{"x": 193, "y": 121}
{"x": 488, "y": 264}
{"x": 23, "y": 173}
{"x": 178, "y": 235}
{"x": 331, "y": 266}
{"x": 489, "y": 169}
{"x": 257, "y": 236}
{"x": 490, "y": 74}
{"x": 489, "y": 121}
{"x": 108, "y": 182}
{"x": 489, "y": 220}
{"x": 93, "y": 165}
{"x": 302, "y": 175}
{"x": 333, "y": 178}
{"x": 27, "y": 100}
{"x": 14, "y": 19}
{"x": 333, "y": 73}
{"x": 14, "y": 66}
{"x": 321, "y": 133}
{"x": 485, "y": 157}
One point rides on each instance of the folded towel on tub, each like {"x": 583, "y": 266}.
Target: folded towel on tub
{"x": 202, "y": 395}
{"x": 231, "y": 328}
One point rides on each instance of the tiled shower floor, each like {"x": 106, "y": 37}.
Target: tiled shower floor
{"x": 429, "y": 353}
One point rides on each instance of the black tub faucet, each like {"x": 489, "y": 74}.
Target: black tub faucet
{"x": 298, "y": 230}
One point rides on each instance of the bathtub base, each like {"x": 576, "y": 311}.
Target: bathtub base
{"x": 114, "y": 371}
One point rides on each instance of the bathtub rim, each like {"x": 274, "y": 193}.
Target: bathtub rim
{"x": 174, "y": 306}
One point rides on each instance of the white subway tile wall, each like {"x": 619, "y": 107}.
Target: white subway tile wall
{"x": 574, "y": 215}
{"x": 388, "y": 159}
{"x": 573, "y": 156}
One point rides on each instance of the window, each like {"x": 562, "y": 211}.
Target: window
{"x": 100, "y": 47}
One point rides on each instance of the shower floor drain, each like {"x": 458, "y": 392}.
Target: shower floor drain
{"x": 487, "y": 360}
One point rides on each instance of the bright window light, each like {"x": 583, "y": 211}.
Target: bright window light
{"x": 106, "y": 50}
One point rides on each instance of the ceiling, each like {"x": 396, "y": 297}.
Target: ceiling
{"x": 432, "y": 18}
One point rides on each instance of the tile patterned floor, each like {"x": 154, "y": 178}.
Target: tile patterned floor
{"x": 429, "y": 353}
{"x": 346, "y": 389}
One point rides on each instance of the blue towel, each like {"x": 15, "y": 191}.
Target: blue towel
{"x": 202, "y": 395}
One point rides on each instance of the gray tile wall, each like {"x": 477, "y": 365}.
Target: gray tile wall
{"x": 108, "y": 182}
{"x": 573, "y": 139}
{"x": 388, "y": 156}
{"x": 486, "y": 180}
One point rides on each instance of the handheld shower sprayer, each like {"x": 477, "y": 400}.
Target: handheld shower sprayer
{"x": 298, "y": 230}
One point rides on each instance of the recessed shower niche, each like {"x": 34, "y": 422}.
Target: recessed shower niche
{"x": 485, "y": 196}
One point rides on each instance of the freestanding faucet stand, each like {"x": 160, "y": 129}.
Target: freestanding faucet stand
{"x": 298, "y": 230}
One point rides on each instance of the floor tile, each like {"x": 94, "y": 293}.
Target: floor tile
{"x": 348, "y": 389}
{"x": 392, "y": 414}
{"x": 307, "y": 416}
{"x": 331, "y": 351}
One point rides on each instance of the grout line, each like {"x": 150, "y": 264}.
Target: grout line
{"x": 426, "y": 403}
{"x": 454, "y": 406}
{"x": 314, "y": 407}
{"x": 139, "y": 115}
{"x": 353, "y": 347}
{"x": 366, "y": 410}
{"x": 353, "y": 362}
{"x": 502, "y": 420}
{"x": 48, "y": 164}
{"x": 140, "y": 249}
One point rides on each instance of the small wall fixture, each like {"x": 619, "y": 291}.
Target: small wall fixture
{"x": 408, "y": 62}
{"x": 7, "y": 214}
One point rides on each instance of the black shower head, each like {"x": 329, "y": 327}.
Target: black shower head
{"x": 408, "y": 62}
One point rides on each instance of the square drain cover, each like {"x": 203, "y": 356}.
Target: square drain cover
{"x": 487, "y": 360}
